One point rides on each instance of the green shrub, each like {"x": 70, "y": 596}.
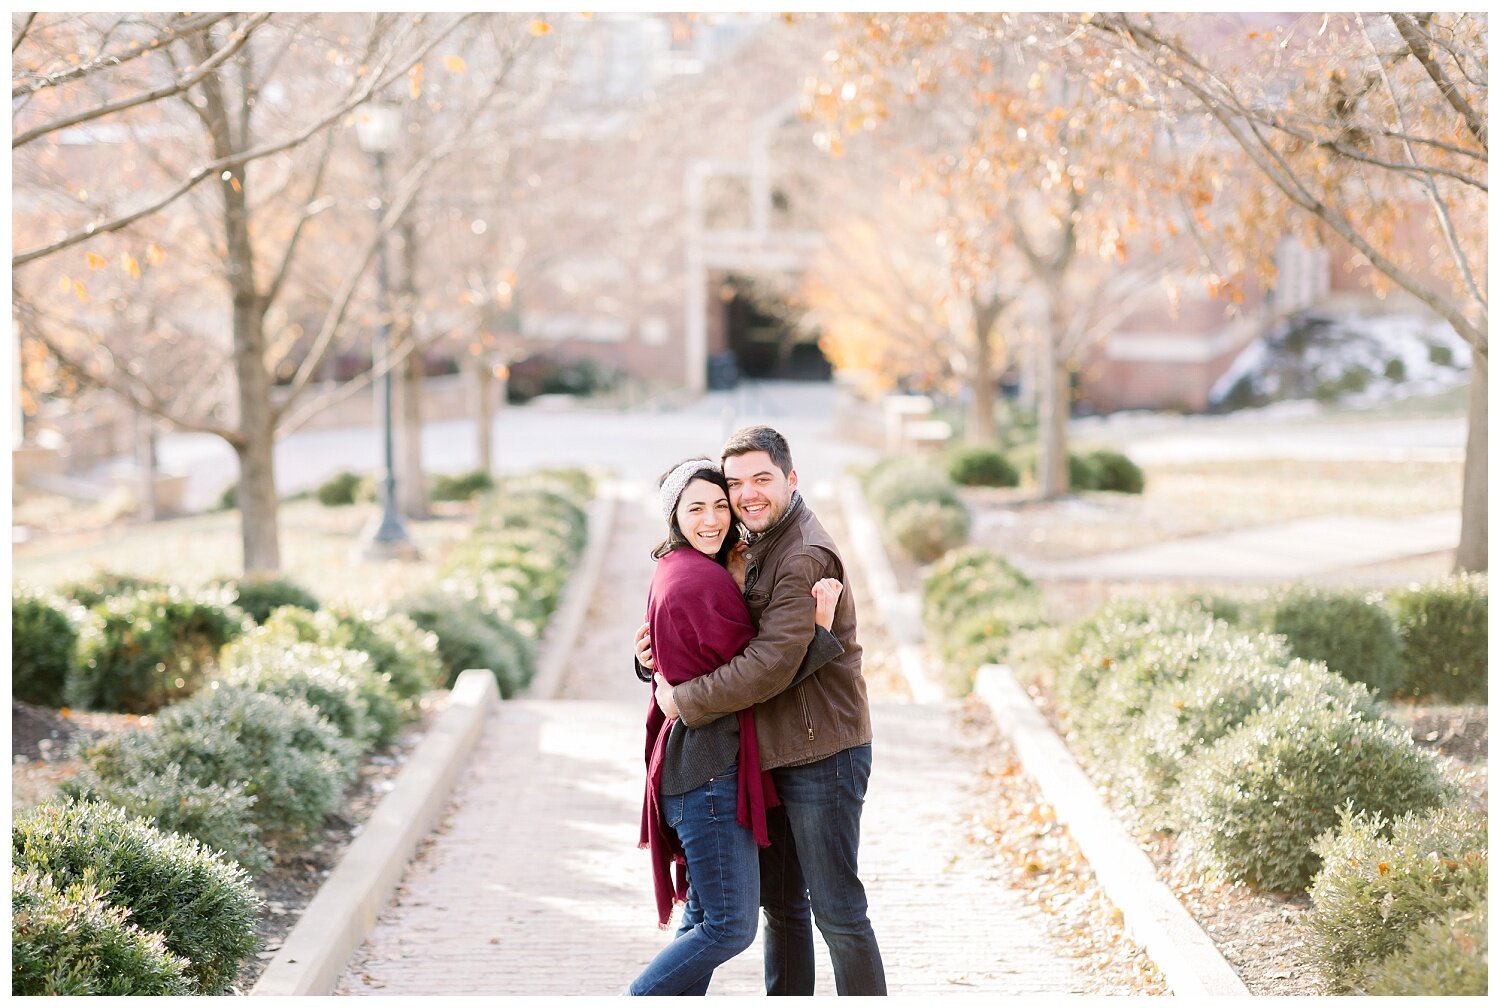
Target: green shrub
{"x": 338, "y": 490}
{"x": 900, "y": 481}
{"x": 1112, "y": 471}
{"x": 91, "y": 591}
{"x": 1185, "y": 717}
{"x": 968, "y": 577}
{"x": 1236, "y": 610}
{"x": 42, "y": 645}
{"x": 1382, "y": 880}
{"x": 1083, "y": 472}
{"x": 72, "y": 942}
{"x": 987, "y": 635}
{"x": 291, "y": 627}
{"x": 977, "y": 607}
{"x": 259, "y": 597}
{"x": 337, "y": 682}
{"x": 571, "y": 481}
{"x": 1096, "y": 647}
{"x": 154, "y": 647}
{"x": 287, "y": 756}
{"x": 1355, "y": 637}
{"x": 1447, "y": 955}
{"x": 1106, "y": 719}
{"x": 981, "y": 465}
{"x": 203, "y": 906}
{"x": 461, "y": 486}
{"x": 1444, "y": 629}
{"x": 925, "y": 530}
{"x": 404, "y": 656}
{"x": 1253, "y": 804}
{"x": 469, "y": 637}
{"x": 126, "y": 771}
{"x": 518, "y": 506}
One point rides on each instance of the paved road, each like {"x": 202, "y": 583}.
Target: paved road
{"x": 635, "y": 444}
{"x": 639, "y": 444}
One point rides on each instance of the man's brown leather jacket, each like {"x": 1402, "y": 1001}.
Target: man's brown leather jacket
{"x": 826, "y": 713}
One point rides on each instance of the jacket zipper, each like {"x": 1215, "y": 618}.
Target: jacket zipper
{"x": 806, "y": 714}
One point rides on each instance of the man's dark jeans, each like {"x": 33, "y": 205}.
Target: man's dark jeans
{"x": 814, "y": 853}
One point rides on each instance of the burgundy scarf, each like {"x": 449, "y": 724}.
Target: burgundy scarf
{"x": 698, "y": 622}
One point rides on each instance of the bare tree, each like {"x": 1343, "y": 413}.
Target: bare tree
{"x": 1366, "y": 129}
{"x": 278, "y": 86}
{"x": 1030, "y": 165}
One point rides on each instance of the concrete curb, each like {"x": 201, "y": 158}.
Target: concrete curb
{"x": 901, "y": 611}
{"x": 334, "y": 924}
{"x": 1186, "y": 956}
{"x": 563, "y": 628}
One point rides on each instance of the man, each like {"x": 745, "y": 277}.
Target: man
{"x": 814, "y": 737}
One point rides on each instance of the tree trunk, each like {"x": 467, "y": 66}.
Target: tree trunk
{"x": 411, "y": 479}
{"x": 1474, "y": 536}
{"x": 482, "y": 409}
{"x": 256, "y": 441}
{"x": 982, "y": 384}
{"x": 1054, "y": 388}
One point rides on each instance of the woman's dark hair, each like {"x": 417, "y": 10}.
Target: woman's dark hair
{"x": 675, "y": 539}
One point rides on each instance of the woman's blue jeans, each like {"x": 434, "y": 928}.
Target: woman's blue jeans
{"x": 723, "y": 866}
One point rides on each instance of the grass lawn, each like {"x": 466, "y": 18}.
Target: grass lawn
{"x": 319, "y": 550}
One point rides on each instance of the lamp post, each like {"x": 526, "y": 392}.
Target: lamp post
{"x": 378, "y": 126}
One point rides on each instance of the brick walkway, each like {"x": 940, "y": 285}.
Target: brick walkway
{"x": 533, "y": 884}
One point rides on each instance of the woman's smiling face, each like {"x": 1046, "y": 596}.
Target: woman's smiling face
{"x": 703, "y": 516}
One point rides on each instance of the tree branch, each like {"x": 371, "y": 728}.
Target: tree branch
{"x": 1417, "y": 45}
{"x": 15, "y": 43}
{"x": 1243, "y": 130}
{"x": 119, "y": 380}
{"x": 407, "y": 190}
{"x": 312, "y": 208}
{"x": 376, "y": 82}
{"x": 1439, "y": 206}
{"x": 232, "y": 46}
{"x": 170, "y": 33}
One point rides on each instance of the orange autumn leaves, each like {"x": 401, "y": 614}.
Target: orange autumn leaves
{"x": 127, "y": 264}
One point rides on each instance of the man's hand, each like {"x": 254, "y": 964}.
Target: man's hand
{"x": 826, "y": 592}
{"x": 664, "y": 696}
{"x": 643, "y": 646}
{"x": 738, "y": 563}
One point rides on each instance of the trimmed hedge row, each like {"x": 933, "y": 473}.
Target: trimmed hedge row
{"x": 1225, "y": 739}
{"x": 132, "y": 645}
{"x": 500, "y": 586}
{"x": 1426, "y": 642}
{"x": 120, "y": 888}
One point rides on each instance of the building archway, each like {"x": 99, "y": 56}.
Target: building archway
{"x": 761, "y": 333}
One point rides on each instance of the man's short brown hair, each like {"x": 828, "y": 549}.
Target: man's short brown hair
{"x": 759, "y": 438}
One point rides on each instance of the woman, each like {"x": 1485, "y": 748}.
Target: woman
{"x": 706, "y": 796}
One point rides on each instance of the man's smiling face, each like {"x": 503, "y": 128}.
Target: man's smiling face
{"x": 759, "y": 491}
